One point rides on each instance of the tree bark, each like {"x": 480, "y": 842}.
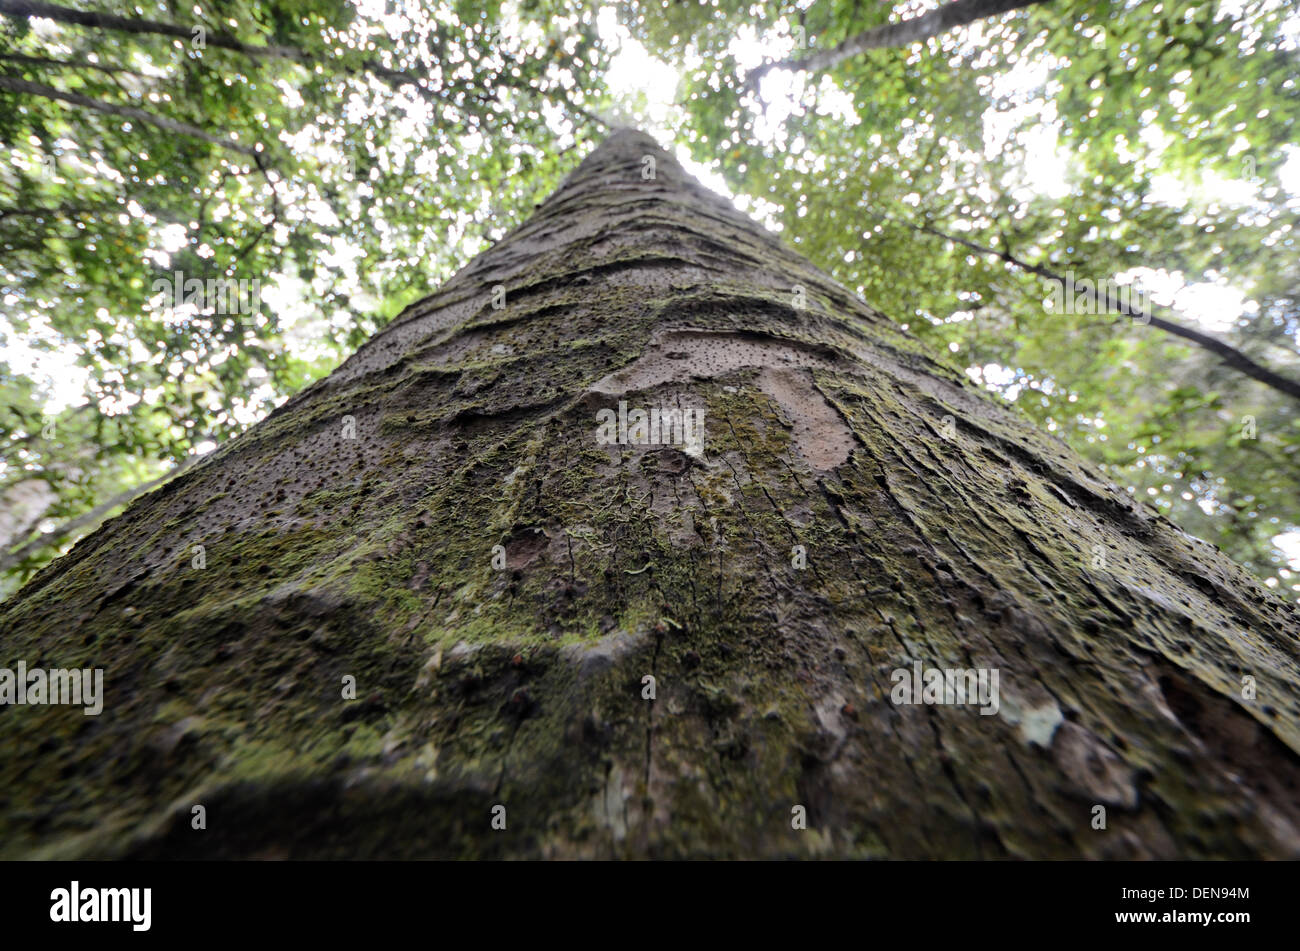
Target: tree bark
{"x": 857, "y": 507}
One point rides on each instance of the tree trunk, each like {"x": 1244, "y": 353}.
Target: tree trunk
{"x": 856, "y": 508}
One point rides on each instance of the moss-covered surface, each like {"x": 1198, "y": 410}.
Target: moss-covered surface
{"x": 954, "y": 534}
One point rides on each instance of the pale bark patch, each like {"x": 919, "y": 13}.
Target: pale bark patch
{"x": 674, "y": 355}
{"x": 820, "y": 434}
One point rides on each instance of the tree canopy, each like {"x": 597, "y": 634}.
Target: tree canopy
{"x": 1088, "y": 205}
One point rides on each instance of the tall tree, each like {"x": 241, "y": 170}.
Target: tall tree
{"x": 427, "y": 608}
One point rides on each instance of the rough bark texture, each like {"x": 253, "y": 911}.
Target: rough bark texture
{"x": 939, "y": 526}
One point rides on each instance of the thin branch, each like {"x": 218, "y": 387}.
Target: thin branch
{"x": 1229, "y": 354}
{"x": 32, "y": 435}
{"x": 394, "y": 78}
{"x": 11, "y": 558}
{"x": 893, "y": 35}
{"x": 109, "y": 21}
{"x": 67, "y": 64}
{"x": 107, "y": 208}
{"x": 266, "y": 228}
{"x": 125, "y": 112}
